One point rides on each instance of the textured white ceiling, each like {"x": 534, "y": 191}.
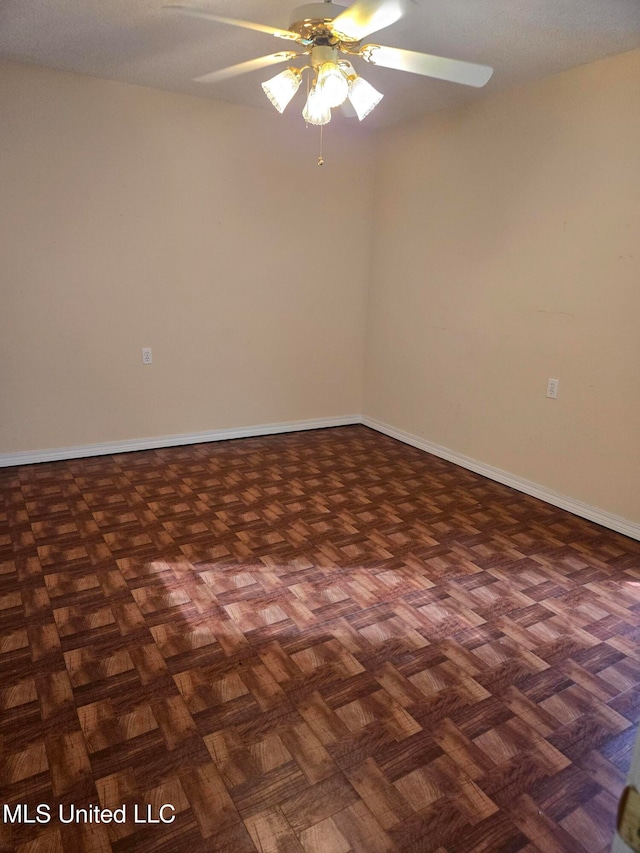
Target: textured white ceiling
{"x": 136, "y": 42}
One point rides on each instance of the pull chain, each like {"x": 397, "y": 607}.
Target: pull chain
{"x": 321, "y": 158}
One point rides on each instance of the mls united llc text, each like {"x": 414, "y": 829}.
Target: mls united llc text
{"x": 44, "y": 813}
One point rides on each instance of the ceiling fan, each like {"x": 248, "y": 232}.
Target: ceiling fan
{"x": 331, "y": 35}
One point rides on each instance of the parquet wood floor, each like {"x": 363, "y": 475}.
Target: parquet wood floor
{"x": 323, "y": 641}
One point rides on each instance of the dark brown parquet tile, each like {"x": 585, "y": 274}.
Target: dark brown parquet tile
{"x": 325, "y": 641}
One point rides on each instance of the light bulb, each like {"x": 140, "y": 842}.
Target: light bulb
{"x": 316, "y": 110}
{"x": 332, "y": 84}
{"x": 281, "y": 88}
{"x": 363, "y": 96}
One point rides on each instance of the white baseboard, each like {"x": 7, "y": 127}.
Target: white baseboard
{"x": 592, "y": 513}
{"x": 28, "y": 457}
{"x": 600, "y": 516}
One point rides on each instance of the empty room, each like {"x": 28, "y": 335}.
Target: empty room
{"x": 319, "y": 426}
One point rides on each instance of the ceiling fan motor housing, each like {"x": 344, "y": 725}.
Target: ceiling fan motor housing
{"x": 313, "y": 20}
{"x": 315, "y": 12}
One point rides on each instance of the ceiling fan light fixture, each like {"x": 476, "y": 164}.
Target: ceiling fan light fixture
{"x": 329, "y": 34}
{"x": 281, "y": 88}
{"x": 316, "y": 110}
{"x": 363, "y": 97}
{"x": 332, "y": 84}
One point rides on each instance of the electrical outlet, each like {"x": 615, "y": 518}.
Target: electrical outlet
{"x": 146, "y": 355}
{"x": 552, "y": 388}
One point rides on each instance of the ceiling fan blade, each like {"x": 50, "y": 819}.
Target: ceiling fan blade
{"x": 194, "y": 11}
{"x": 245, "y": 67}
{"x": 454, "y": 70}
{"x": 368, "y": 16}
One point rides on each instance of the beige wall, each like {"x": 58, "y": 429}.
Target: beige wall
{"x": 503, "y": 252}
{"x": 506, "y": 251}
{"x": 130, "y": 218}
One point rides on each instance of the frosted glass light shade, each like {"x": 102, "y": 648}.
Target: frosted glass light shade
{"x": 363, "y": 97}
{"x": 281, "y": 88}
{"x": 332, "y": 84}
{"x": 316, "y": 110}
